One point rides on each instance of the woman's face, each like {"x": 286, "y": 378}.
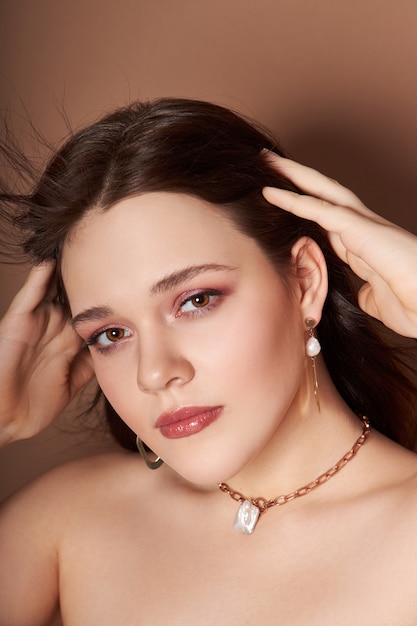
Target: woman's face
{"x": 196, "y": 341}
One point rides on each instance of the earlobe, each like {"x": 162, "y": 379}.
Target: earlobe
{"x": 311, "y": 276}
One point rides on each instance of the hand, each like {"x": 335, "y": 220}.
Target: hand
{"x": 42, "y": 362}
{"x": 382, "y": 254}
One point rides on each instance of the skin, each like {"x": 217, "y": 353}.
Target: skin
{"x": 173, "y": 354}
{"x": 381, "y": 253}
{"x": 128, "y": 546}
{"x": 38, "y": 352}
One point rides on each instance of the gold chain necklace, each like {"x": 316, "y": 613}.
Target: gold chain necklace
{"x": 251, "y": 508}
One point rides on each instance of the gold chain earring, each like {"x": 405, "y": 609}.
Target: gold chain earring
{"x": 313, "y": 348}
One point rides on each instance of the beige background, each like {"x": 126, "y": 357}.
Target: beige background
{"x": 335, "y": 79}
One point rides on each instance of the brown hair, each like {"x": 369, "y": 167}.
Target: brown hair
{"x": 208, "y": 151}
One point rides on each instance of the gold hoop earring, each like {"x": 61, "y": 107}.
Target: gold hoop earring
{"x": 313, "y": 349}
{"x": 153, "y": 465}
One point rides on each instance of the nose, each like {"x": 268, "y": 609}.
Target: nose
{"x": 161, "y": 364}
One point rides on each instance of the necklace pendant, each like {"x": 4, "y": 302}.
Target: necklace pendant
{"x": 246, "y": 518}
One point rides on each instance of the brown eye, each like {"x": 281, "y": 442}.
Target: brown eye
{"x": 108, "y": 338}
{"x": 200, "y": 300}
{"x": 114, "y": 334}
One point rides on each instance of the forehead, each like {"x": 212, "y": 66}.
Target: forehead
{"x": 145, "y": 237}
{"x": 150, "y": 221}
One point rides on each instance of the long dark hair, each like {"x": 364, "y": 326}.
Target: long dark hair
{"x": 208, "y": 151}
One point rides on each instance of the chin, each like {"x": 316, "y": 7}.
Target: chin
{"x": 207, "y": 475}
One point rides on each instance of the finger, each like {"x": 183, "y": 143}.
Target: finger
{"x": 311, "y": 209}
{"x": 315, "y": 183}
{"x": 34, "y": 290}
{"x": 367, "y": 302}
{"x": 331, "y": 217}
{"x": 82, "y": 371}
{"x": 62, "y": 340}
{"x": 350, "y": 234}
{"x": 383, "y": 245}
{"x": 392, "y": 313}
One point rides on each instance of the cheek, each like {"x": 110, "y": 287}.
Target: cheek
{"x": 116, "y": 379}
{"x": 263, "y": 333}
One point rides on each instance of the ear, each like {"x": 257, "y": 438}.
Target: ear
{"x": 310, "y": 271}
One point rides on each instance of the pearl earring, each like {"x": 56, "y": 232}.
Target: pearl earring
{"x": 313, "y": 348}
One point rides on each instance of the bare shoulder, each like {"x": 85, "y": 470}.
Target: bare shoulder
{"x": 77, "y": 479}
{"x": 44, "y": 516}
{"x": 69, "y": 492}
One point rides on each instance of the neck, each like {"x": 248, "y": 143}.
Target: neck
{"x": 305, "y": 444}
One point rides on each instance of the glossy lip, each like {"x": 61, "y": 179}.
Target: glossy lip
{"x": 187, "y": 420}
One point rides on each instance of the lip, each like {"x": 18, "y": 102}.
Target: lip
{"x": 187, "y": 420}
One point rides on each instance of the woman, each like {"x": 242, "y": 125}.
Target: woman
{"x": 201, "y": 308}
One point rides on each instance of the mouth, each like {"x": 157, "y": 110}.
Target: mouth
{"x": 187, "y": 420}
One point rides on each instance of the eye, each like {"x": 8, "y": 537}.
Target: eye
{"x": 199, "y": 302}
{"x": 108, "y": 337}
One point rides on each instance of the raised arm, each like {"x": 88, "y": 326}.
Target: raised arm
{"x": 42, "y": 362}
{"x": 382, "y": 254}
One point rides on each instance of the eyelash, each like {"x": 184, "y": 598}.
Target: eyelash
{"x": 94, "y": 339}
{"x": 212, "y": 295}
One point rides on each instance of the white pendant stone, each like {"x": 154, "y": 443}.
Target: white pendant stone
{"x": 246, "y": 518}
{"x": 313, "y": 347}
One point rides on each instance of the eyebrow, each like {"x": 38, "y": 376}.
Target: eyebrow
{"x": 91, "y": 315}
{"x": 177, "y": 278}
{"x": 167, "y": 283}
